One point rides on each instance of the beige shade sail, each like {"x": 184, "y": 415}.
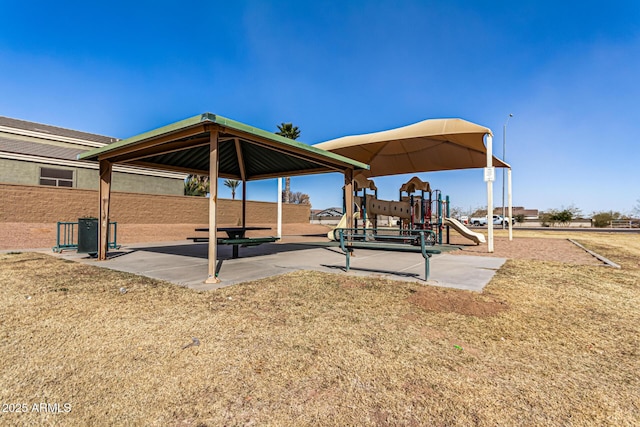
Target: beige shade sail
{"x": 427, "y": 146}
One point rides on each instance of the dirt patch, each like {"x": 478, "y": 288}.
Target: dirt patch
{"x": 529, "y": 248}
{"x": 461, "y": 302}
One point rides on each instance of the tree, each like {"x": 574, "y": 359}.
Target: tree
{"x": 603, "y": 219}
{"x": 564, "y": 216}
{"x": 232, "y": 184}
{"x": 288, "y": 130}
{"x": 547, "y": 219}
{"x": 479, "y": 212}
{"x": 455, "y": 211}
{"x": 636, "y": 208}
{"x": 300, "y": 198}
{"x": 196, "y": 185}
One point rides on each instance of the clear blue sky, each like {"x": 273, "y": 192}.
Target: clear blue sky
{"x": 569, "y": 72}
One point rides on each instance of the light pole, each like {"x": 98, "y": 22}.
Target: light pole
{"x": 504, "y": 150}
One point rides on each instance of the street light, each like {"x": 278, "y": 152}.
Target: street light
{"x": 504, "y": 149}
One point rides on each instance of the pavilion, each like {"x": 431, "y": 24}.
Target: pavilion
{"x": 209, "y": 144}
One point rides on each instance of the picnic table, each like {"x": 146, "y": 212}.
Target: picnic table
{"x": 236, "y": 236}
{"x": 372, "y": 239}
{"x": 235, "y": 232}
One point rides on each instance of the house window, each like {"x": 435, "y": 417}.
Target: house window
{"x": 56, "y": 177}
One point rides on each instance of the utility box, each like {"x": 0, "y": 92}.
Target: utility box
{"x": 88, "y": 235}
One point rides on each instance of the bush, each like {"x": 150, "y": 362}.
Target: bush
{"x": 603, "y": 219}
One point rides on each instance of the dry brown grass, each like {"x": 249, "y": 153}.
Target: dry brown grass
{"x": 545, "y": 344}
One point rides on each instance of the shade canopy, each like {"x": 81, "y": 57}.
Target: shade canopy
{"x": 426, "y": 146}
{"x": 245, "y": 152}
{"x": 213, "y": 145}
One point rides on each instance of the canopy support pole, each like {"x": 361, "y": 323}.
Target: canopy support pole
{"x": 510, "y": 204}
{"x": 279, "y": 233}
{"x": 213, "y": 202}
{"x": 489, "y": 140}
{"x": 243, "y": 177}
{"x": 244, "y": 203}
{"x": 106, "y": 172}
{"x": 348, "y": 194}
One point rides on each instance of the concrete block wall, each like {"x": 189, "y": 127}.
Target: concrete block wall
{"x": 41, "y": 204}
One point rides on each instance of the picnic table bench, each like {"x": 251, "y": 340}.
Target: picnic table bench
{"x": 404, "y": 241}
{"x": 236, "y": 237}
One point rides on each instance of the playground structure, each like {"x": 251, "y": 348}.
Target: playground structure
{"x": 418, "y": 208}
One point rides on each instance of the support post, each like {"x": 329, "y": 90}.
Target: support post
{"x": 243, "y": 177}
{"x": 448, "y": 215}
{"x": 106, "y": 170}
{"x": 279, "y": 234}
{"x": 213, "y": 203}
{"x": 489, "y": 140}
{"x": 440, "y": 220}
{"x": 510, "y": 204}
{"x": 348, "y": 196}
{"x": 244, "y": 203}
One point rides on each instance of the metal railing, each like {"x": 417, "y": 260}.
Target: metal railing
{"x": 67, "y": 236}
{"x": 622, "y": 223}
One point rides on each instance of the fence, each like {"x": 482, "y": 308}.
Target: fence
{"x": 67, "y": 236}
{"x": 624, "y": 223}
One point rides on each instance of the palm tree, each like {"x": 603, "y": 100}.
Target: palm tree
{"x": 232, "y": 184}
{"x": 288, "y": 130}
{"x": 196, "y": 185}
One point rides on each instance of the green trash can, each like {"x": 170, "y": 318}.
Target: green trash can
{"x": 88, "y": 236}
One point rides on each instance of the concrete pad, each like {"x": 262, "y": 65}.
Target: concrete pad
{"x": 185, "y": 263}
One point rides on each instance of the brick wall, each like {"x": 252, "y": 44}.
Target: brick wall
{"x": 35, "y": 204}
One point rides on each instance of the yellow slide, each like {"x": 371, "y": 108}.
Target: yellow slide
{"x": 343, "y": 224}
{"x": 464, "y": 231}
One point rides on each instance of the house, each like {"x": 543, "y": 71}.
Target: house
{"x": 329, "y": 212}
{"x": 529, "y": 214}
{"x": 44, "y": 155}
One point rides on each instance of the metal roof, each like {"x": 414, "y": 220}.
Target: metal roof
{"x": 245, "y": 152}
{"x": 53, "y": 130}
{"x": 18, "y": 146}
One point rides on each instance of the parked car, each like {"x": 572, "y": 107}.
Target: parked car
{"x": 497, "y": 220}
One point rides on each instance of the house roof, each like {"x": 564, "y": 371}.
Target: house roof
{"x": 18, "y": 146}
{"x": 327, "y": 212}
{"x": 245, "y": 152}
{"x": 53, "y": 130}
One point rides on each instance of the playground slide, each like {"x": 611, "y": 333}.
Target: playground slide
{"x": 464, "y": 231}
{"x": 343, "y": 224}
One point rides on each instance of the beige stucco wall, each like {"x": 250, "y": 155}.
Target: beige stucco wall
{"x": 17, "y": 172}
{"x": 28, "y": 173}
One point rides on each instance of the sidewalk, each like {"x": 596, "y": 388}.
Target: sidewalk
{"x": 185, "y": 263}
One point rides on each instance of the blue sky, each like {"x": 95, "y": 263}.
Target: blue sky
{"x": 568, "y": 71}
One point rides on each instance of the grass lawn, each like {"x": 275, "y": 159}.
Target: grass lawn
{"x": 546, "y": 343}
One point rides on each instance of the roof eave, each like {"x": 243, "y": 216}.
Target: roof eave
{"x": 223, "y": 122}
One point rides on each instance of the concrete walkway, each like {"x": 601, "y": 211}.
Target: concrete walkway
{"x": 185, "y": 263}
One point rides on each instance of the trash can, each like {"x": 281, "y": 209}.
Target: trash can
{"x": 88, "y": 235}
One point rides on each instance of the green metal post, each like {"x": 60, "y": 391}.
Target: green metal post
{"x": 440, "y": 218}
{"x": 448, "y": 216}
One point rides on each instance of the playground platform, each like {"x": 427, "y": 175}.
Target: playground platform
{"x": 185, "y": 263}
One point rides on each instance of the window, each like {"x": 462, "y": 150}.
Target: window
{"x": 56, "y": 177}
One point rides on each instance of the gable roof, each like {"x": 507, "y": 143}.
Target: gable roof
{"x": 18, "y": 146}
{"x": 40, "y": 128}
{"x": 245, "y": 152}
